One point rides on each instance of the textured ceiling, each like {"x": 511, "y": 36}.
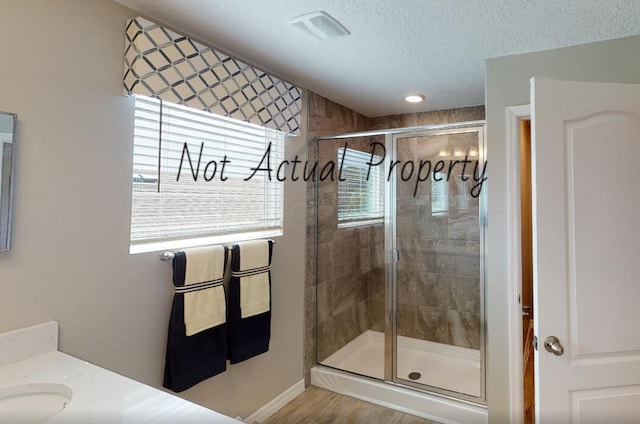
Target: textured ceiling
{"x": 434, "y": 47}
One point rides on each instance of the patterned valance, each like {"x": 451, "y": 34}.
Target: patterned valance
{"x": 162, "y": 63}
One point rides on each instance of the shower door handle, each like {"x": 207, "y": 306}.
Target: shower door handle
{"x": 553, "y": 345}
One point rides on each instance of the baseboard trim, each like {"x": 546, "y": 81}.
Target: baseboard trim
{"x": 278, "y": 402}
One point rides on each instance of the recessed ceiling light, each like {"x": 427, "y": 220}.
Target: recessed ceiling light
{"x": 414, "y": 98}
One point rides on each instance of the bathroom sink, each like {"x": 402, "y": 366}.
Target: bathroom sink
{"x": 32, "y": 403}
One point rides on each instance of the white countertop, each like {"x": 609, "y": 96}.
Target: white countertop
{"x": 102, "y": 396}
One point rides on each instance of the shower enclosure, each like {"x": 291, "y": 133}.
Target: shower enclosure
{"x": 399, "y": 257}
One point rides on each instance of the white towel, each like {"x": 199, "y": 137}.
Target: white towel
{"x": 254, "y": 289}
{"x": 207, "y": 308}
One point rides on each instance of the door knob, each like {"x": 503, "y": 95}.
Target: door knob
{"x": 553, "y": 345}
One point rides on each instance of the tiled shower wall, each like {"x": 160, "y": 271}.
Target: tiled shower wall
{"x": 350, "y": 286}
{"x": 438, "y": 286}
{"x": 349, "y": 259}
{"x": 338, "y": 281}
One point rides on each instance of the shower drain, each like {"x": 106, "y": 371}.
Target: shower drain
{"x": 414, "y": 375}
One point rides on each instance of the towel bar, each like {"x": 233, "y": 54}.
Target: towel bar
{"x": 168, "y": 256}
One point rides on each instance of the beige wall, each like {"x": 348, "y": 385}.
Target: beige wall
{"x": 508, "y": 85}
{"x": 61, "y": 73}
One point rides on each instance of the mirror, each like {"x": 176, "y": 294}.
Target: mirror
{"x": 7, "y": 130}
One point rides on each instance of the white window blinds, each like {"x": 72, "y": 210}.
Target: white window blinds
{"x": 214, "y": 199}
{"x": 359, "y": 198}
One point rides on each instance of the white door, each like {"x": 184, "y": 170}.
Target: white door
{"x": 586, "y": 207}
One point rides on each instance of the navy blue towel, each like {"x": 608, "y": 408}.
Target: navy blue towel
{"x": 191, "y": 359}
{"x": 248, "y": 337}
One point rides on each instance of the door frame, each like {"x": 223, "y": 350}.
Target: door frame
{"x": 515, "y": 115}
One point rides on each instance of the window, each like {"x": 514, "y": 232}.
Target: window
{"x": 212, "y": 201}
{"x": 463, "y": 193}
{"x": 439, "y": 194}
{"x": 360, "y": 199}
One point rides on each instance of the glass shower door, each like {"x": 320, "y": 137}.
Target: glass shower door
{"x": 350, "y": 266}
{"x": 437, "y": 277}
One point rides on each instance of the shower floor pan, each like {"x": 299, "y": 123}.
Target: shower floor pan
{"x": 439, "y": 365}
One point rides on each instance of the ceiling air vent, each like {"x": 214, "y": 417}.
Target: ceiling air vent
{"x": 319, "y": 24}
